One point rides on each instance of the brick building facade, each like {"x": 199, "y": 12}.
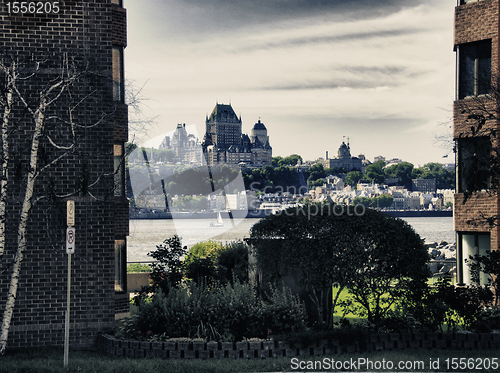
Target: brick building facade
{"x": 92, "y": 115}
{"x": 477, "y": 48}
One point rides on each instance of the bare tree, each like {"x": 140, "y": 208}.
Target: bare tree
{"x": 140, "y": 123}
{"x": 45, "y": 107}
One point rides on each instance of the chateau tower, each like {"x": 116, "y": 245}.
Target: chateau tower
{"x": 223, "y": 127}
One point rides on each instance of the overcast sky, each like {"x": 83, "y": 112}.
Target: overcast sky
{"x": 378, "y": 72}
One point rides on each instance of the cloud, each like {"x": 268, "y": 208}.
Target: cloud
{"x": 273, "y": 43}
{"x": 269, "y": 10}
{"x": 300, "y": 64}
{"x": 356, "y": 77}
{"x": 202, "y": 18}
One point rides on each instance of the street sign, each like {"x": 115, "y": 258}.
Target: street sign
{"x": 70, "y": 240}
{"x": 70, "y": 213}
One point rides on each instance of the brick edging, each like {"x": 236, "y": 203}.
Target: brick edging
{"x": 272, "y": 349}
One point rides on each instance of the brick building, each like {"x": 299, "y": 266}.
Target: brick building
{"x": 477, "y": 49}
{"x": 89, "y": 36}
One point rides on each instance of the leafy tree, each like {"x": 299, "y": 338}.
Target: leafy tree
{"x": 272, "y": 179}
{"x": 208, "y": 249}
{"x": 233, "y": 262}
{"x": 314, "y": 173}
{"x": 211, "y": 262}
{"x": 353, "y": 177}
{"x": 391, "y": 256}
{"x": 276, "y": 160}
{"x": 382, "y": 201}
{"x": 402, "y": 172}
{"x": 365, "y": 201}
{"x": 489, "y": 264}
{"x": 372, "y": 254}
{"x": 166, "y": 270}
{"x": 291, "y": 160}
{"x": 445, "y": 179}
{"x": 375, "y": 172}
{"x": 200, "y": 263}
{"x": 444, "y": 303}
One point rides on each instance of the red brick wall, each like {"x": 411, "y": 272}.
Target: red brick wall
{"x": 464, "y": 127}
{"x": 477, "y": 21}
{"x": 82, "y": 31}
{"x": 119, "y": 26}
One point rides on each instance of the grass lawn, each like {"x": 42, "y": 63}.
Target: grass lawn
{"x": 51, "y": 360}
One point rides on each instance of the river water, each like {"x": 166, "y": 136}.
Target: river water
{"x": 146, "y": 234}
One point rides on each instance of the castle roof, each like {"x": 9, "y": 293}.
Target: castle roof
{"x": 259, "y": 126}
{"x": 223, "y": 113}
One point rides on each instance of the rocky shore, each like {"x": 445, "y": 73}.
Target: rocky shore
{"x": 443, "y": 257}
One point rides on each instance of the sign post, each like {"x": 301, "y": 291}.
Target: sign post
{"x": 70, "y": 215}
{"x": 70, "y": 249}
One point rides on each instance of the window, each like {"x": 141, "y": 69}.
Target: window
{"x": 470, "y": 244}
{"x": 120, "y": 265}
{"x": 473, "y": 164}
{"x": 119, "y": 171}
{"x": 474, "y": 69}
{"x": 118, "y": 86}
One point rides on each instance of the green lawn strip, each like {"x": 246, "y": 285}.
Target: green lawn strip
{"x": 51, "y": 360}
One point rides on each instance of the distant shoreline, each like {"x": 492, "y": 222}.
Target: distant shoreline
{"x": 420, "y": 213}
{"x": 259, "y": 214}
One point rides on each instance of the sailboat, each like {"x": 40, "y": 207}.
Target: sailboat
{"x": 219, "y": 222}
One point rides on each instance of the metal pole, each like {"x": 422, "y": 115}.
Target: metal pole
{"x": 66, "y": 332}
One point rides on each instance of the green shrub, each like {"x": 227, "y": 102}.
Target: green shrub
{"x": 222, "y": 313}
{"x": 138, "y": 267}
{"x": 487, "y": 320}
{"x": 431, "y": 307}
{"x": 283, "y": 312}
{"x": 166, "y": 271}
{"x": 211, "y": 262}
{"x": 233, "y": 262}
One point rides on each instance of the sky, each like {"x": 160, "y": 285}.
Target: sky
{"x": 315, "y": 72}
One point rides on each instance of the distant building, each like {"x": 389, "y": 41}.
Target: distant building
{"x": 224, "y": 141}
{"x": 344, "y": 160}
{"x": 448, "y": 196}
{"x": 187, "y": 147}
{"x": 424, "y": 185}
{"x": 392, "y": 161}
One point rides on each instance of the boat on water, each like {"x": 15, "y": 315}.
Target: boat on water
{"x": 219, "y": 222}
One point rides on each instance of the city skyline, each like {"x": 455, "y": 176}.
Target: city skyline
{"x": 381, "y": 74}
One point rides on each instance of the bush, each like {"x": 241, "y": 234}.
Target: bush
{"x": 282, "y": 313}
{"x": 222, "y": 313}
{"x": 166, "y": 271}
{"x": 233, "y": 262}
{"x": 487, "y": 320}
{"x": 443, "y": 304}
{"x": 138, "y": 267}
{"x": 212, "y": 262}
